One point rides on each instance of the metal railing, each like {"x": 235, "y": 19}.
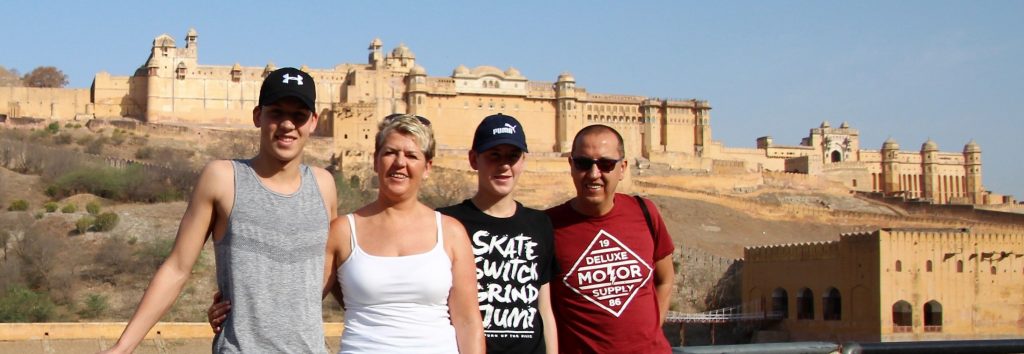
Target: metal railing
{"x": 728, "y": 314}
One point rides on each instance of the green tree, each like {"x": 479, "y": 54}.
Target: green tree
{"x": 53, "y": 128}
{"x": 95, "y": 304}
{"x": 45, "y": 76}
{"x": 93, "y": 208}
{"x": 18, "y": 205}
{"x": 84, "y": 223}
{"x": 19, "y": 304}
{"x": 105, "y": 222}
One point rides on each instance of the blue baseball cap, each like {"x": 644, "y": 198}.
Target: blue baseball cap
{"x": 496, "y": 130}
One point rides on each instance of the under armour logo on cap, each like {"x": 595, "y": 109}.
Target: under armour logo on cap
{"x": 496, "y": 130}
{"x": 288, "y": 82}
{"x": 290, "y": 78}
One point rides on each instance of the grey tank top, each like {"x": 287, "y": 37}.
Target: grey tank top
{"x": 270, "y": 265}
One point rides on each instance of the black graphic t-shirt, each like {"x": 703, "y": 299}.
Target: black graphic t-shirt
{"x": 513, "y": 259}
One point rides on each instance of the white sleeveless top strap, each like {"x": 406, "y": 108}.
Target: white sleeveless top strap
{"x": 397, "y": 304}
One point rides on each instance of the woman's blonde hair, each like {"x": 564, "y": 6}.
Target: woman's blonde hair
{"x": 407, "y": 124}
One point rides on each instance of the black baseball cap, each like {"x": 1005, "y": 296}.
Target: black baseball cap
{"x": 496, "y": 130}
{"x": 285, "y": 82}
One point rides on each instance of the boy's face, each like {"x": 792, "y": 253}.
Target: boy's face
{"x": 498, "y": 169}
{"x": 285, "y": 127}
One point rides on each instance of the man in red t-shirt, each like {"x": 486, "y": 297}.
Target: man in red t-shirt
{"x": 613, "y": 278}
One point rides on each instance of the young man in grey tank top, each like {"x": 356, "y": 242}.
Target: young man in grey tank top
{"x": 268, "y": 217}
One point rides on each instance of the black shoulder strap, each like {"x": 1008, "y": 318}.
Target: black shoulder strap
{"x": 647, "y": 214}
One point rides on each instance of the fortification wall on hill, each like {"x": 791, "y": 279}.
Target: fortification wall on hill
{"x": 52, "y": 103}
{"x": 961, "y": 211}
{"x": 802, "y": 211}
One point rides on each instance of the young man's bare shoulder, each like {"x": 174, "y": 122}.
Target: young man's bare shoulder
{"x": 217, "y": 171}
{"x": 322, "y": 176}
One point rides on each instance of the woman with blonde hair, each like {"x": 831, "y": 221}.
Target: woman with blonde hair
{"x": 406, "y": 272}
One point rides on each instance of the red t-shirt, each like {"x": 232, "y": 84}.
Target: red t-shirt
{"x": 602, "y": 288}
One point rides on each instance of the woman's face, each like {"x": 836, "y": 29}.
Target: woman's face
{"x": 401, "y": 166}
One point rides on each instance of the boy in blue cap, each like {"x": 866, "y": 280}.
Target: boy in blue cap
{"x": 512, "y": 243}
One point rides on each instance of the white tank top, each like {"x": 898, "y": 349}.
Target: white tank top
{"x": 397, "y": 304}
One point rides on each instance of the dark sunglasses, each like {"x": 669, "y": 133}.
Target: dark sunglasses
{"x": 392, "y": 117}
{"x": 604, "y": 164}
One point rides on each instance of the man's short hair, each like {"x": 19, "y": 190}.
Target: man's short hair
{"x": 599, "y": 128}
{"x": 407, "y": 124}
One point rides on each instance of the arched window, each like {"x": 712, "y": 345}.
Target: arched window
{"x": 899, "y": 266}
{"x": 933, "y": 316}
{"x": 837, "y": 157}
{"x": 928, "y": 266}
{"x": 994, "y": 270}
{"x": 959, "y": 266}
{"x": 805, "y": 305}
{"x": 901, "y": 317}
{"x": 780, "y": 303}
{"x": 832, "y": 305}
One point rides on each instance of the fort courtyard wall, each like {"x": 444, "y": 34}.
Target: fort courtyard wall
{"x": 892, "y": 285}
{"x": 39, "y": 102}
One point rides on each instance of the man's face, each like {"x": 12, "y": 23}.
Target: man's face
{"x": 285, "y": 126}
{"x": 498, "y": 169}
{"x": 595, "y": 188}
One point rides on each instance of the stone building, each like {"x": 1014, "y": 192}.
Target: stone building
{"x": 928, "y": 174}
{"x": 173, "y": 87}
{"x": 891, "y": 285}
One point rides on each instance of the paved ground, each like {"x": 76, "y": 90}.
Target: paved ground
{"x": 73, "y": 346}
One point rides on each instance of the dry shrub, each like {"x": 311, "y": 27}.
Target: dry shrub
{"x": 12, "y": 228}
{"x": 351, "y": 193}
{"x": 45, "y": 262}
{"x": 113, "y": 256}
{"x": 445, "y": 187}
{"x": 233, "y": 145}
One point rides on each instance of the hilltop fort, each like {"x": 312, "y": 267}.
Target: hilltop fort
{"x": 172, "y": 87}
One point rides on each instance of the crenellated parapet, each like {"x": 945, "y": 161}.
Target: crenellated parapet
{"x": 792, "y": 252}
{"x": 988, "y": 245}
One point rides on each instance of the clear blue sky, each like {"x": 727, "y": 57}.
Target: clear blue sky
{"x": 910, "y": 70}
